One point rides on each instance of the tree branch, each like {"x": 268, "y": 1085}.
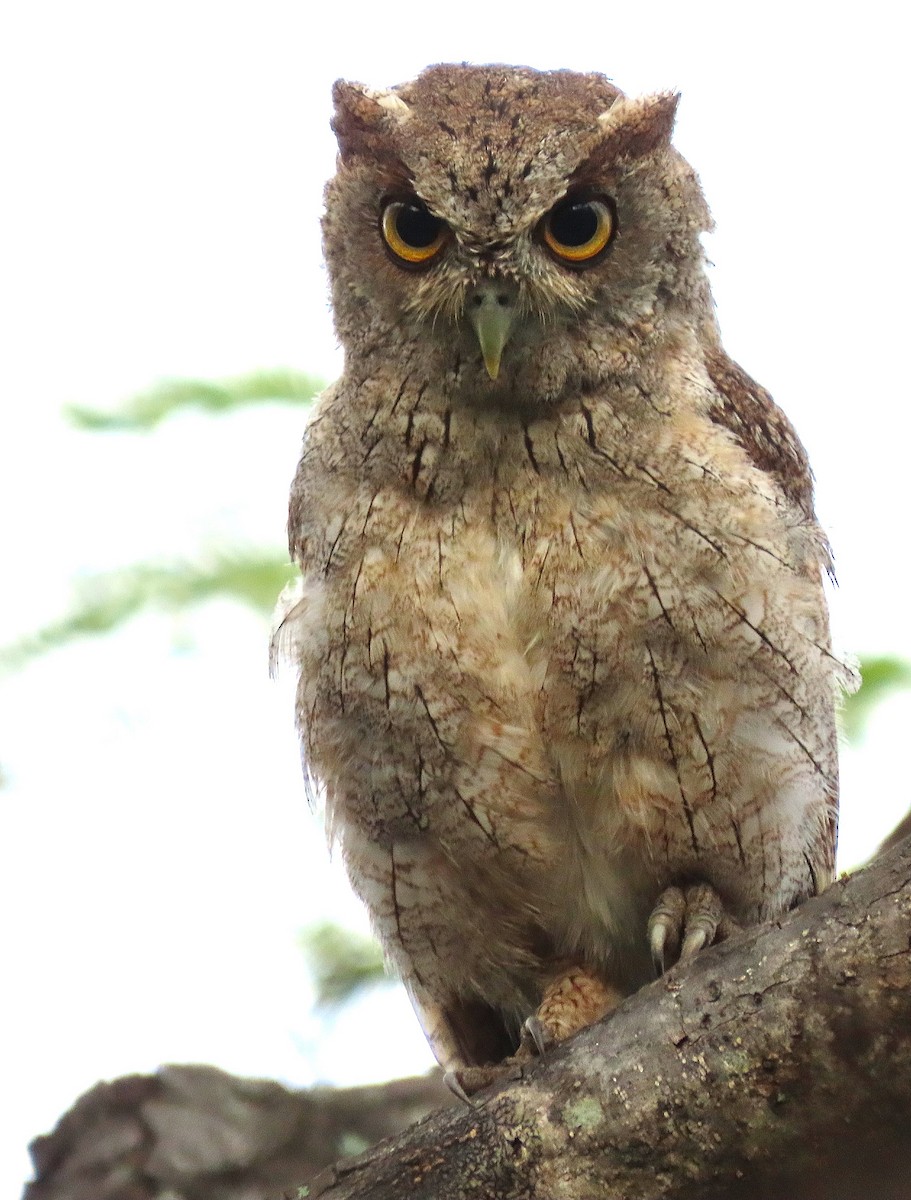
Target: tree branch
{"x": 197, "y": 1133}
{"x": 776, "y": 1064}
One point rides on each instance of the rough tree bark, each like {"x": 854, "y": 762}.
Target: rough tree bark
{"x": 776, "y": 1065}
{"x": 197, "y": 1133}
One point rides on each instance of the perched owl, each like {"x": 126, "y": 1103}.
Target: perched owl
{"x": 565, "y": 670}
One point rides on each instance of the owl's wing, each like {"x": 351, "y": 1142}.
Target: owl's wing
{"x": 462, "y": 1032}
{"x": 284, "y": 644}
{"x": 750, "y": 414}
{"x": 767, "y": 437}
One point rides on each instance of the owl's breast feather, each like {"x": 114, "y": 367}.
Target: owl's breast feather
{"x": 582, "y": 690}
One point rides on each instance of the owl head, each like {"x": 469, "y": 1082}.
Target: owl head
{"x": 520, "y": 233}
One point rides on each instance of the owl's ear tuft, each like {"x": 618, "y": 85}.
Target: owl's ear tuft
{"x": 363, "y": 117}
{"x": 634, "y": 127}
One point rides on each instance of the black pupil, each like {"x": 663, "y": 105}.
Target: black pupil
{"x": 416, "y": 226}
{"x": 574, "y": 223}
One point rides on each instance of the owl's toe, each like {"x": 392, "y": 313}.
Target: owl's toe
{"x": 704, "y": 911}
{"x": 574, "y": 996}
{"x": 453, "y": 1080}
{"x": 466, "y": 1082}
{"x": 685, "y": 921}
{"x": 536, "y": 1034}
{"x": 665, "y": 925}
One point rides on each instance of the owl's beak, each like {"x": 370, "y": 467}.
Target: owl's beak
{"x": 492, "y": 310}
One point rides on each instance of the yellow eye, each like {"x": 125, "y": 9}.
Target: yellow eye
{"x": 412, "y": 232}
{"x": 577, "y": 230}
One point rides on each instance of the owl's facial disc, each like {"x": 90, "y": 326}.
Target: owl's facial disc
{"x": 491, "y": 309}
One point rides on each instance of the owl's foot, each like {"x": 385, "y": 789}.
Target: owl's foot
{"x": 465, "y": 1082}
{"x": 684, "y": 921}
{"x": 573, "y": 998}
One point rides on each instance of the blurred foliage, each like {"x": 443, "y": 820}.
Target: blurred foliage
{"x": 255, "y": 577}
{"x": 104, "y": 602}
{"x": 342, "y": 962}
{"x": 145, "y": 411}
{"x": 880, "y": 677}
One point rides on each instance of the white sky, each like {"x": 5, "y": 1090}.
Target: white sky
{"x": 163, "y": 166}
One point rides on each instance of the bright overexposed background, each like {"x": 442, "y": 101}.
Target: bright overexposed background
{"x": 162, "y": 171}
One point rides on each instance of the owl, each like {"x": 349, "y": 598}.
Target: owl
{"x": 565, "y": 668}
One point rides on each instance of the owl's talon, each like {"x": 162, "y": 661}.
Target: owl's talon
{"x": 665, "y": 925}
{"x": 657, "y": 937}
{"x": 538, "y": 1034}
{"x": 453, "y": 1081}
{"x": 466, "y": 1082}
{"x": 695, "y": 940}
{"x": 686, "y": 920}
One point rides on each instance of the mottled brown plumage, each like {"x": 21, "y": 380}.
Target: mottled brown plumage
{"x": 564, "y": 660}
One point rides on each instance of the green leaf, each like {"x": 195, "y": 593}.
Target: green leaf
{"x": 104, "y": 602}
{"x": 880, "y": 677}
{"x": 342, "y": 962}
{"x": 145, "y": 411}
